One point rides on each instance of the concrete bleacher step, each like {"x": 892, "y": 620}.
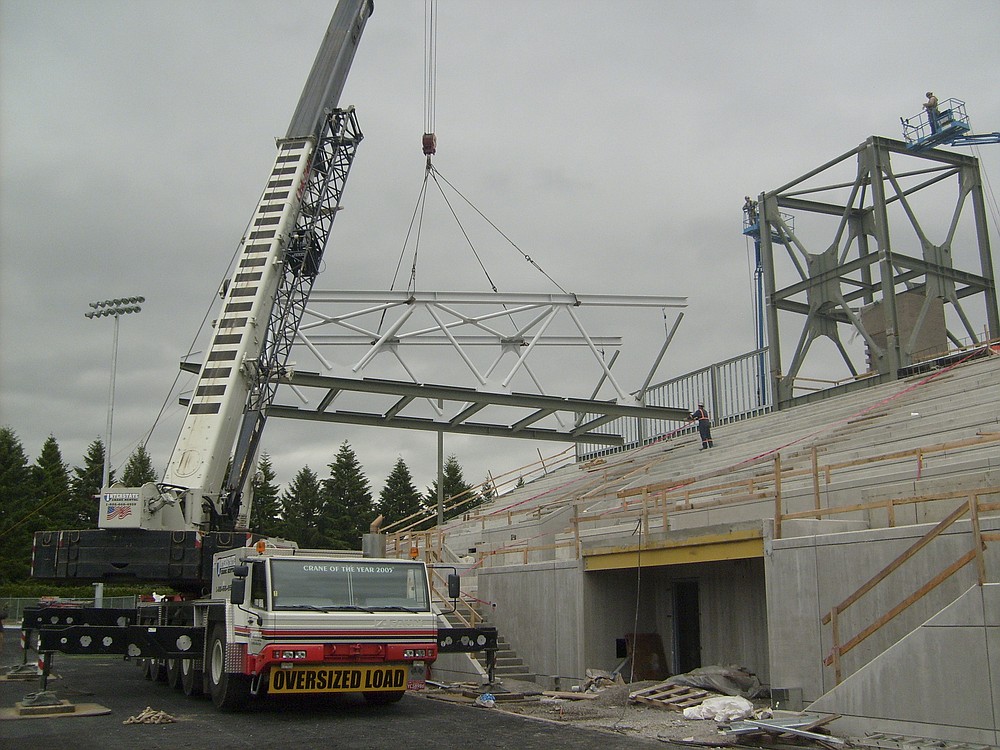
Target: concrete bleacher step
{"x": 888, "y": 418}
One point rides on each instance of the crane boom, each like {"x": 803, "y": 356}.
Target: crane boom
{"x": 264, "y": 299}
{"x": 166, "y": 531}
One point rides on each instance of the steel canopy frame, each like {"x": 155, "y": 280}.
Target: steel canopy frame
{"x": 382, "y": 322}
{"x": 464, "y": 403}
{"x": 860, "y": 264}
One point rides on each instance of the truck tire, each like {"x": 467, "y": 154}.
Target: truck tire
{"x": 157, "y": 670}
{"x": 383, "y": 697}
{"x": 174, "y": 673}
{"x": 230, "y": 692}
{"x": 191, "y": 677}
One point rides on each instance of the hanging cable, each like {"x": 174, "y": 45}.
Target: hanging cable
{"x": 430, "y": 78}
{"x": 485, "y": 218}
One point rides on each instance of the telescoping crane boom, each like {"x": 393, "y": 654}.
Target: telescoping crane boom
{"x": 168, "y": 531}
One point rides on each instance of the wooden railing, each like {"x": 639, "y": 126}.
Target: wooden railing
{"x": 972, "y": 506}
{"x": 766, "y": 479}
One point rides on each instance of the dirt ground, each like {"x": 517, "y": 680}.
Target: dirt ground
{"x": 611, "y": 711}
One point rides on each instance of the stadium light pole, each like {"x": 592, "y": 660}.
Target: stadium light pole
{"x": 112, "y": 308}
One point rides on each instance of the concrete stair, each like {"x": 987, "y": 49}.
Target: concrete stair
{"x": 508, "y": 664}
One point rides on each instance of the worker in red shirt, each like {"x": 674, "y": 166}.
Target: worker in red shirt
{"x": 704, "y": 425}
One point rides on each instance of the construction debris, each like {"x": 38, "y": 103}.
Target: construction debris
{"x": 882, "y": 741}
{"x": 726, "y": 680}
{"x": 670, "y": 696}
{"x": 598, "y": 679}
{"x": 721, "y": 708}
{"x": 786, "y": 726}
{"x": 149, "y": 716}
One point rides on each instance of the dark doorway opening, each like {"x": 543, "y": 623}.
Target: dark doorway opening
{"x": 687, "y": 619}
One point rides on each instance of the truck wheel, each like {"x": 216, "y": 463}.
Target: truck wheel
{"x": 174, "y": 673}
{"x": 190, "y": 678}
{"x": 230, "y": 692}
{"x": 384, "y": 698}
{"x": 157, "y": 670}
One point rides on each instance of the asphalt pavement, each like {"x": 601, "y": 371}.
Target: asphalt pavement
{"x": 414, "y": 723}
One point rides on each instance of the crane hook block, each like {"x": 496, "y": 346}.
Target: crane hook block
{"x": 430, "y": 142}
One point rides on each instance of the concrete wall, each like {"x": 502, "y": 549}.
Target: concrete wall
{"x": 808, "y": 575}
{"x": 539, "y": 610}
{"x": 563, "y": 621}
{"x": 942, "y": 681}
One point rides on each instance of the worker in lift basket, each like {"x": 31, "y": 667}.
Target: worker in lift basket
{"x": 931, "y": 105}
{"x": 704, "y": 425}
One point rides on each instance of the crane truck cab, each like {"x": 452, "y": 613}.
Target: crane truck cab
{"x": 290, "y": 621}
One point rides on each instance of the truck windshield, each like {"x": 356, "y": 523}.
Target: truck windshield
{"x": 332, "y": 585}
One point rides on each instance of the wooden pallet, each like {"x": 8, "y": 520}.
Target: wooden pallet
{"x": 669, "y": 696}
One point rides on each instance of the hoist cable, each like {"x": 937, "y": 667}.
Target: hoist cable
{"x": 430, "y": 64}
{"x": 465, "y": 234}
{"x": 417, "y": 209}
{"x": 412, "y": 285}
{"x": 500, "y": 232}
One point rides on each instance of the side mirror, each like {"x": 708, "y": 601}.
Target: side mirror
{"x": 238, "y": 591}
{"x": 454, "y": 586}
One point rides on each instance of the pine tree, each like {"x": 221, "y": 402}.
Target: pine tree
{"x": 456, "y": 490}
{"x": 487, "y": 491}
{"x": 348, "y": 508}
{"x": 139, "y": 469}
{"x": 86, "y": 487}
{"x": 265, "y": 515}
{"x": 50, "y": 476}
{"x": 399, "y": 498}
{"x": 16, "y": 506}
{"x": 301, "y": 506}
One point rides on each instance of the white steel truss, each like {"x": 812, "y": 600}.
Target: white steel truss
{"x": 392, "y": 323}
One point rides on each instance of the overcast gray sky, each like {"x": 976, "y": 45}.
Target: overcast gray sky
{"x": 612, "y": 141}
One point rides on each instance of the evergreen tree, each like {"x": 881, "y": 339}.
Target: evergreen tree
{"x": 487, "y": 491}
{"x": 85, "y": 487}
{"x": 265, "y": 515}
{"x": 15, "y": 508}
{"x": 456, "y": 490}
{"x": 399, "y": 498}
{"x": 139, "y": 469}
{"x": 50, "y": 477}
{"x": 301, "y": 509}
{"x": 348, "y": 507}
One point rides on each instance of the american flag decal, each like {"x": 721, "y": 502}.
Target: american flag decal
{"x": 118, "y": 511}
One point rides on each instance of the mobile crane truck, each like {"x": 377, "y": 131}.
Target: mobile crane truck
{"x": 253, "y": 615}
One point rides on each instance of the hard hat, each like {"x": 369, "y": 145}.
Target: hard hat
{"x": 929, "y": 93}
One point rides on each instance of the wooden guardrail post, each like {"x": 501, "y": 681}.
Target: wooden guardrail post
{"x": 645, "y": 512}
{"x": 835, "y": 649}
{"x": 576, "y": 530}
{"x": 777, "y": 496}
{"x": 815, "y": 478}
{"x": 977, "y": 538}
